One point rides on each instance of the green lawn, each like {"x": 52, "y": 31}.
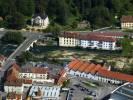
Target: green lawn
{"x": 89, "y": 84}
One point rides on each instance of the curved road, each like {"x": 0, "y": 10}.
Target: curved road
{"x": 22, "y": 47}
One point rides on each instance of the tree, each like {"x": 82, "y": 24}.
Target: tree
{"x": 12, "y": 37}
{"x": 74, "y": 24}
{"x": 40, "y": 6}
{"x": 24, "y": 57}
{"x": 62, "y": 13}
{"x": 66, "y": 83}
{"x": 8, "y": 7}
{"x": 16, "y": 21}
{"x": 55, "y": 29}
{"x": 100, "y": 17}
{"x": 26, "y": 7}
{"x": 126, "y": 47}
{"x": 59, "y": 11}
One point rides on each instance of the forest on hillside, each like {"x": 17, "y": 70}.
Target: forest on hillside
{"x": 99, "y": 13}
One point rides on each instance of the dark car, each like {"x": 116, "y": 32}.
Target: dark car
{"x": 72, "y": 89}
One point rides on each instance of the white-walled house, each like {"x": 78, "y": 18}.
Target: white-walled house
{"x": 92, "y": 41}
{"x": 127, "y": 22}
{"x": 16, "y": 86}
{"x": 13, "y": 87}
{"x": 96, "y": 72}
{"x": 44, "y": 92}
{"x": 40, "y": 21}
{"x": 36, "y": 74}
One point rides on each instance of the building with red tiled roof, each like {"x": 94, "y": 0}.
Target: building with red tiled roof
{"x": 127, "y": 22}
{"x": 36, "y": 74}
{"x": 83, "y": 67}
{"x": 38, "y": 70}
{"x": 17, "y": 77}
{"x": 61, "y": 77}
{"x": 115, "y": 35}
{"x": 93, "y": 40}
{"x": 99, "y": 38}
{"x": 97, "y": 72}
{"x": 116, "y": 75}
{"x": 13, "y": 72}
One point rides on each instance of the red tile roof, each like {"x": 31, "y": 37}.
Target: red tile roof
{"x": 39, "y": 70}
{"x": 97, "y": 38}
{"x": 116, "y": 75}
{"x": 96, "y": 69}
{"x": 92, "y": 68}
{"x": 15, "y": 66}
{"x": 107, "y": 34}
{"x": 17, "y": 82}
{"x": 82, "y": 66}
{"x": 127, "y": 19}
{"x": 72, "y": 63}
{"x": 108, "y": 37}
{"x": 25, "y": 81}
{"x": 12, "y": 74}
{"x": 78, "y": 65}
{"x": 70, "y": 35}
{"x": 75, "y": 65}
{"x": 59, "y": 80}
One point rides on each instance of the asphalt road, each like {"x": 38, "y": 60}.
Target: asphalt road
{"x": 30, "y": 37}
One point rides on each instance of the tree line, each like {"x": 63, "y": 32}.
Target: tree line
{"x": 99, "y": 13}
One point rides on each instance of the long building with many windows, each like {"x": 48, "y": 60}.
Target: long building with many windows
{"x": 96, "y": 72}
{"x": 104, "y": 41}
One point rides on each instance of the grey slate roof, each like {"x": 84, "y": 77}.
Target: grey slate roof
{"x": 42, "y": 15}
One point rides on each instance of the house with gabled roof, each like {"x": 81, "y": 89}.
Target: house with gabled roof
{"x": 40, "y": 21}
{"x": 127, "y": 22}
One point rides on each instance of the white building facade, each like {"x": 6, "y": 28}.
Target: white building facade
{"x": 88, "y": 41}
{"x": 104, "y": 45}
{"x": 96, "y": 72}
{"x": 35, "y": 74}
{"x": 44, "y": 92}
{"x": 11, "y": 88}
{"x": 40, "y": 21}
{"x": 127, "y": 22}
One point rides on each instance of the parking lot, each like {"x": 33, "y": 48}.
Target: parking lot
{"x": 78, "y": 90}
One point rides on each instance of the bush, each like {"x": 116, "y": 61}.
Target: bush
{"x": 13, "y": 37}
{"x": 16, "y": 21}
{"x": 88, "y": 98}
{"x": 24, "y": 57}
